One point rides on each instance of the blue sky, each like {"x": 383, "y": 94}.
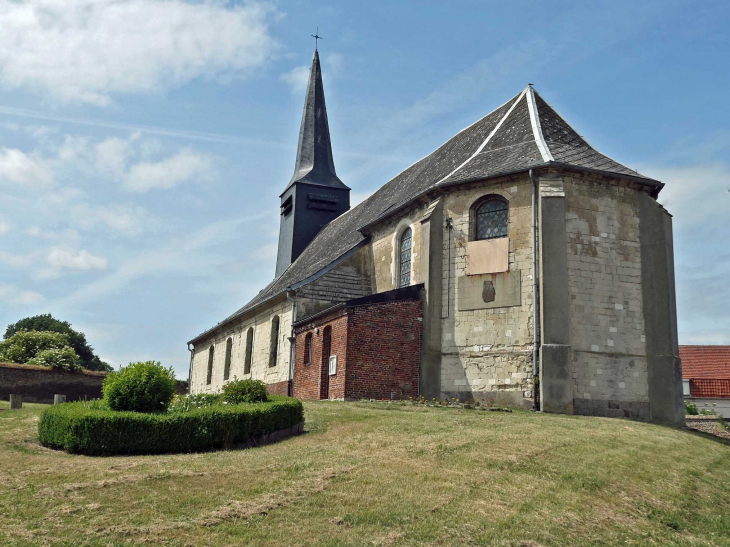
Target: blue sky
{"x": 143, "y": 144}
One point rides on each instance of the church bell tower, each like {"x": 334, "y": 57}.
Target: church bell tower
{"x": 315, "y": 195}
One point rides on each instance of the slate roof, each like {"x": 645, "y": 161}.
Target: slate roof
{"x": 314, "y": 163}
{"x": 523, "y": 133}
{"x": 709, "y": 362}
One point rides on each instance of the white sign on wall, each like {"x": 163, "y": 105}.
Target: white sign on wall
{"x": 333, "y": 364}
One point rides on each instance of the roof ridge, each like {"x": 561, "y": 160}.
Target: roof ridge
{"x": 489, "y": 137}
{"x": 537, "y": 127}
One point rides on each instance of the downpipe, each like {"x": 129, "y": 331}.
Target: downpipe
{"x": 292, "y": 339}
{"x": 535, "y": 297}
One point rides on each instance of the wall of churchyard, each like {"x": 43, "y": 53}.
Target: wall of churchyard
{"x": 276, "y": 376}
{"x": 39, "y": 384}
{"x": 604, "y": 282}
{"x": 487, "y": 353}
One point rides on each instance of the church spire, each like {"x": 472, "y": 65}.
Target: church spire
{"x": 314, "y": 163}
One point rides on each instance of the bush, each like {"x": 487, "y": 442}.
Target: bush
{"x": 245, "y": 391}
{"x": 63, "y": 359}
{"x": 140, "y": 387}
{"x": 77, "y": 428}
{"x": 690, "y": 408}
{"x": 26, "y": 345}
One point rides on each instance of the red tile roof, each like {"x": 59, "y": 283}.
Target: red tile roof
{"x": 704, "y": 387}
{"x": 710, "y": 362}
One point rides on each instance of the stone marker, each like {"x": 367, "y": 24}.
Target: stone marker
{"x": 16, "y": 402}
{"x": 58, "y": 399}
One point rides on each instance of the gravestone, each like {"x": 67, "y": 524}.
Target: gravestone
{"x": 16, "y": 402}
{"x": 58, "y": 399}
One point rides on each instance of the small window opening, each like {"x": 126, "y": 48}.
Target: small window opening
{"x": 249, "y": 351}
{"x": 308, "y": 348}
{"x": 491, "y": 218}
{"x": 227, "y": 366}
{"x": 209, "y": 379}
{"x": 274, "y": 342}
{"x": 406, "y": 240}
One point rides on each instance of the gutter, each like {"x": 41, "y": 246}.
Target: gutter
{"x": 190, "y": 369}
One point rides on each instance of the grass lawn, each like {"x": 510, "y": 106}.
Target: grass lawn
{"x": 374, "y": 474}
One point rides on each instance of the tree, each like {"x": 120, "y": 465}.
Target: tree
{"x": 77, "y": 340}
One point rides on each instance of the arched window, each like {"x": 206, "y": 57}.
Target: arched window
{"x": 227, "y": 366}
{"x": 274, "y": 342}
{"x": 249, "y": 351}
{"x": 491, "y": 218}
{"x": 404, "y": 255}
{"x": 308, "y": 348}
{"x": 211, "y": 352}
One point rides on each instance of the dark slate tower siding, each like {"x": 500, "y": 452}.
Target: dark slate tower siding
{"x": 315, "y": 195}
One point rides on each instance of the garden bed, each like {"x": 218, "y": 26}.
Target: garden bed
{"x": 85, "y": 428}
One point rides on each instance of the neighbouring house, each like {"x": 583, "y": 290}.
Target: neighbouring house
{"x": 515, "y": 263}
{"x": 706, "y": 377}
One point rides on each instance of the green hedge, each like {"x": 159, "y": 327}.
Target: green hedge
{"x": 77, "y": 428}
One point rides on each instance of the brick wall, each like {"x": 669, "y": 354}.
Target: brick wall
{"x": 312, "y": 381}
{"x": 384, "y": 350}
{"x": 40, "y": 384}
{"x": 378, "y": 348}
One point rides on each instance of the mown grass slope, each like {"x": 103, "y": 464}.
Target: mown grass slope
{"x": 375, "y": 474}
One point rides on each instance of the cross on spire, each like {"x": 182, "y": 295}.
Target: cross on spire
{"x": 316, "y": 37}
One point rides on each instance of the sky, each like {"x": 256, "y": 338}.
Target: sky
{"x": 144, "y": 143}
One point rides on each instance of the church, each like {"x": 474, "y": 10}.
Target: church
{"x": 514, "y": 264}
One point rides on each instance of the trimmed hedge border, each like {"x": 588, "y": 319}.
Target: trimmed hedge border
{"x": 80, "y": 430}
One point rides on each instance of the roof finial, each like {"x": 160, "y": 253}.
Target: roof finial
{"x": 316, "y": 37}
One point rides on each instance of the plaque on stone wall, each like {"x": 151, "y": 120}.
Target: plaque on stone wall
{"x": 497, "y": 290}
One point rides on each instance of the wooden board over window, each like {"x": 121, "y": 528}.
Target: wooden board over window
{"x": 487, "y": 256}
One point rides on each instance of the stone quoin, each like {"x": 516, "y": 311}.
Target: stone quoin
{"x": 515, "y": 263}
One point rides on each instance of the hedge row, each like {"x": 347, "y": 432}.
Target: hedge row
{"x": 76, "y": 428}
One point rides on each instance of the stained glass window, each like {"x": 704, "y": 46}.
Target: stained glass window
{"x": 492, "y": 219}
{"x": 405, "y": 258}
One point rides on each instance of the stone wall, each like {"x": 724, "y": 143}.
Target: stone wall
{"x": 39, "y": 384}
{"x": 237, "y": 331}
{"x": 487, "y": 353}
{"x": 604, "y": 284}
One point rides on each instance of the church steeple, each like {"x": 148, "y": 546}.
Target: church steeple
{"x": 314, "y": 163}
{"x": 315, "y": 195}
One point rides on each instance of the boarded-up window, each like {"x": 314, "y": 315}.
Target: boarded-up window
{"x": 211, "y": 353}
{"x": 274, "y": 341}
{"x": 249, "y": 351}
{"x": 227, "y": 366}
{"x": 406, "y": 242}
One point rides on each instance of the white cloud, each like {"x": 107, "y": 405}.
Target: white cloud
{"x": 126, "y": 219}
{"x": 185, "y": 166}
{"x": 87, "y": 50}
{"x": 111, "y": 156}
{"x": 13, "y": 295}
{"x": 70, "y": 260}
{"x": 68, "y": 236}
{"x": 296, "y": 79}
{"x": 23, "y": 169}
{"x": 5, "y": 227}
{"x": 695, "y": 194}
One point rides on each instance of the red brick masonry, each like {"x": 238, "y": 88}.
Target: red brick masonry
{"x": 377, "y": 344}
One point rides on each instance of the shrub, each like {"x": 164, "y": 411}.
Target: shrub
{"x": 690, "y": 408}
{"x": 77, "y": 428}
{"x": 245, "y": 391}
{"x": 25, "y": 345}
{"x": 141, "y": 387}
{"x": 63, "y": 359}
{"x": 186, "y": 403}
